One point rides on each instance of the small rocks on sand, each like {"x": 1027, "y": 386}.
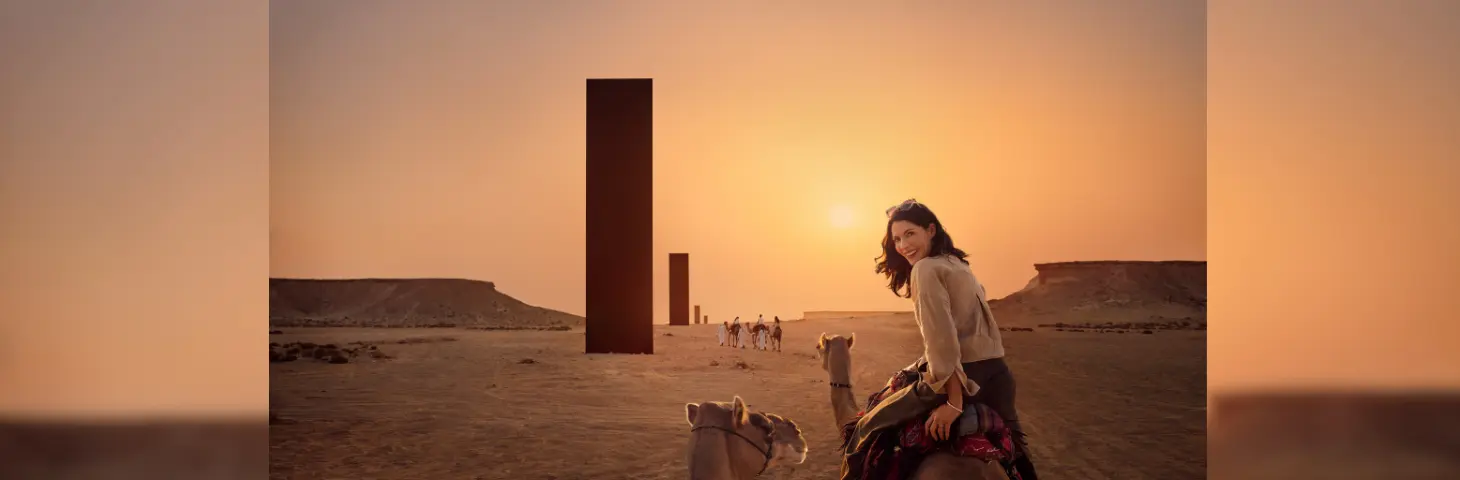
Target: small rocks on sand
{"x": 327, "y": 353}
{"x": 413, "y": 340}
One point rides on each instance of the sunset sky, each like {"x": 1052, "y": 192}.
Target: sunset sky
{"x": 431, "y": 140}
{"x": 449, "y": 141}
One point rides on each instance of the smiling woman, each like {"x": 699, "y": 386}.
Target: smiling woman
{"x": 842, "y": 216}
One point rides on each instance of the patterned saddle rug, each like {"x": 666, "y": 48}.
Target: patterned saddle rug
{"x": 895, "y": 453}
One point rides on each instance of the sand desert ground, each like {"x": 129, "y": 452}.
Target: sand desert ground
{"x": 531, "y": 405}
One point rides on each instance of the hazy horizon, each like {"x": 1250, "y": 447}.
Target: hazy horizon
{"x": 907, "y": 308}
{"x": 449, "y": 141}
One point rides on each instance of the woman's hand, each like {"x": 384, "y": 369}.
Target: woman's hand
{"x": 940, "y": 422}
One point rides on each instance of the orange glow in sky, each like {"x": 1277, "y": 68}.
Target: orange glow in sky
{"x": 449, "y": 141}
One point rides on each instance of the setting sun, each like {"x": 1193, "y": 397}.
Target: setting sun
{"x": 841, "y": 216}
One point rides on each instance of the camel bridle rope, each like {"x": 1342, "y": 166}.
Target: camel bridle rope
{"x": 766, "y": 451}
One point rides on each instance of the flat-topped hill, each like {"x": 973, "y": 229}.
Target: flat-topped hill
{"x": 396, "y": 302}
{"x": 1109, "y": 291}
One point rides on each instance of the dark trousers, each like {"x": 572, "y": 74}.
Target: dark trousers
{"x": 996, "y": 389}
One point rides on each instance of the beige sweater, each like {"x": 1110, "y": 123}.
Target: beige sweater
{"x": 953, "y": 314}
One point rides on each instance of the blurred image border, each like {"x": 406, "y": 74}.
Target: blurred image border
{"x": 1273, "y": 86}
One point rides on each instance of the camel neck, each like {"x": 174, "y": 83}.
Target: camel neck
{"x": 843, "y": 400}
{"x": 840, "y": 371}
{"x": 843, "y": 405}
{"x": 844, "y": 378}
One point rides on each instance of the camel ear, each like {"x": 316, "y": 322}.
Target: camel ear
{"x": 851, "y": 337}
{"x": 690, "y": 412}
{"x": 763, "y": 422}
{"x": 740, "y": 413}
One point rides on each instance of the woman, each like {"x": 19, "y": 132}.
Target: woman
{"x": 963, "y": 351}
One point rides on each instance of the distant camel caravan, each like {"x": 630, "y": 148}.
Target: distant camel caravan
{"x": 984, "y": 445}
{"x": 730, "y": 442}
{"x": 761, "y": 336}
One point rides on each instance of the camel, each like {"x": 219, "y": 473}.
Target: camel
{"x": 776, "y": 337}
{"x": 836, "y": 358}
{"x": 755, "y": 336}
{"x": 735, "y": 335}
{"x": 728, "y": 441}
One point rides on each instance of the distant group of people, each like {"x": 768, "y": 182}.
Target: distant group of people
{"x": 759, "y": 336}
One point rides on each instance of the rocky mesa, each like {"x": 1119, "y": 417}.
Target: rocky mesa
{"x": 1109, "y": 291}
{"x": 428, "y": 302}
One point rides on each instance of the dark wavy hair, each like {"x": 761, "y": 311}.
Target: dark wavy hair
{"x": 893, "y": 266}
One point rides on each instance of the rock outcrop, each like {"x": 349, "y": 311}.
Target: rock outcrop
{"x": 429, "y": 302}
{"x": 1108, "y": 291}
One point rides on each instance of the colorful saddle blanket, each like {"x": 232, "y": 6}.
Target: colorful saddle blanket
{"x": 895, "y": 453}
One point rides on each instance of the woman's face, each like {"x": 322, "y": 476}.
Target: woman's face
{"x": 912, "y": 240}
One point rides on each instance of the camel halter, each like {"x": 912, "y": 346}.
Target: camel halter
{"x": 763, "y": 451}
{"x": 847, "y": 386}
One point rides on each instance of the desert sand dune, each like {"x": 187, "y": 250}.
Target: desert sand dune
{"x": 1097, "y": 406}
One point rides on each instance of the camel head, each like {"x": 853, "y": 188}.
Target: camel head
{"x": 790, "y": 444}
{"x": 835, "y": 351}
{"x": 751, "y": 441}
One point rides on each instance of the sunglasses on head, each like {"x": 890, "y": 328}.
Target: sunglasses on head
{"x": 905, "y": 205}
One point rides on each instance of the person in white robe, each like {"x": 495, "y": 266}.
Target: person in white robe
{"x": 760, "y": 332}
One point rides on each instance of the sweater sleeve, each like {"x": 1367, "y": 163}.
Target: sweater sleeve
{"x": 940, "y": 337}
